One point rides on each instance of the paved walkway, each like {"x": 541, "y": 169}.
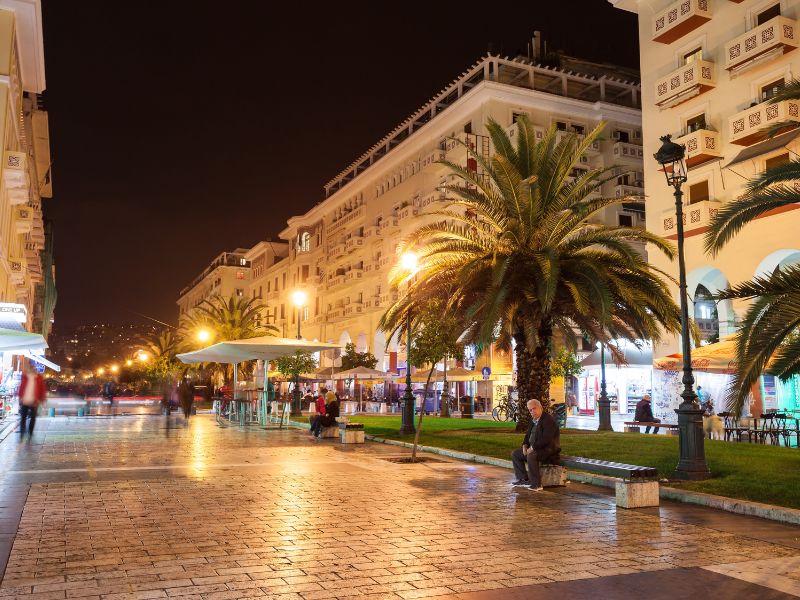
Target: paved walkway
{"x": 112, "y": 508}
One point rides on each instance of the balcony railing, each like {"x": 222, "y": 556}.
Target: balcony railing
{"x": 430, "y": 160}
{"x": 353, "y": 243}
{"x": 622, "y": 190}
{"x": 685, "y": 83}
{"x": 695, "y": 216}
{"x": 388, "y": 224}
{"x": 349, "y": 217}
{"x": 23, "y": 218}
{"x": 432, "y": 199}
{"x": 748, "y": 127}
{"x": 371, "y": 231}
{"x": 15, "y": 177}
{"x": 701, "y": 146}
{"x": 16, "y": 267}
{"x": 456, "y": 149}
{"x": 679, "y": 18}
{"x": 626, "y": 150}
{"x": 335, "y": 281}
{"x": 406, "y": 212}
{"x": 778, "y": 36}
{"x": 354, "y": 274}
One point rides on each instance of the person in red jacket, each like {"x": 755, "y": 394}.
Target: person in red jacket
{"x": 32, "y": 391}
{"x": 316, "y": 420}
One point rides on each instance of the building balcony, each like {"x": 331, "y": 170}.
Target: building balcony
{"x": 695, "y": 216}
{"x": 16, "y": 268}
{"x": 701, "y": 146}
{"x": 407, "y": 212}
{"x": 37, "y": 232}
{"x": 385, "y": 299}
{"x": 774, "y": 38}
{"x": 748, "y": 127}
{"x": 337, "y": 250}
{"x": 430, "y": 201}
{"x": 430, "y": 161}
{"x": 593, "y": 148}
{"x": 389, "y": 224}
{"x": 455, "y": 149}
{"x": 622, "y": 190}
{"x": 353, "y": 274}
{"x": 628, "y": 152}
{"x": 349, "y": 217}
{"x": 679, "y": 18}
{"x": 335, "y": 281}
{"x": 371, "y": 232}
{"x": 15, "y": 177}
{"x": 23, "y": 219}
{"x": 353, "y": 309}
{"x": 353, "y": 243}
{"x": 335, "y": 315}
{"x": 685, "y": 83}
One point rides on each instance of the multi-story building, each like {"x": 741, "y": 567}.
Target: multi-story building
{"x": 226, "y": 276}
{"x": 711, "y": 67}
{"x": 26, "y": 277}
{"x": 341, "y": 251}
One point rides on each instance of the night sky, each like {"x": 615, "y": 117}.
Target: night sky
{"x": 180, "y": 129}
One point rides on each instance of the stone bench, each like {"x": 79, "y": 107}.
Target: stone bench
{"x": 637, "y": 486}
{"x": 329, "y": 432}
{"x": 636, "y": 427}
{"x": 351, "y": 433}
{"x": 552, "y": 475}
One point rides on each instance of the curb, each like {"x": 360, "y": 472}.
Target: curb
{"x": 740, "y": 507}
{"x": 8, "y": 428}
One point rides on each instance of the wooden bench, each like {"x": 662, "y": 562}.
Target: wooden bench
{"x": 637, "y": 488}
{"x": 635, "y": 427}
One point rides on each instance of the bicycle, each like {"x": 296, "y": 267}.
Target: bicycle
{"x": 506, "y": 410}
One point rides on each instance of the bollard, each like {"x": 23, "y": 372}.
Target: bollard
{"x": 51, "y": 412}
{"x": 80, "y": 411}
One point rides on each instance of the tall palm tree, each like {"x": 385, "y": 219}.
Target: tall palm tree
{"x": 164, "y": 343}
{"x": 233, "y": 318}
{"x": 768, "y": 336}
{"x": 523, "y": 261}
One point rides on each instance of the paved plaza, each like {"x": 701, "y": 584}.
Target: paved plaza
{"x": 124, "y": 507}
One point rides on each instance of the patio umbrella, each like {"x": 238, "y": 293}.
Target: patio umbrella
{"x": 713, "y": 358}
{"x": 363, "y": 373}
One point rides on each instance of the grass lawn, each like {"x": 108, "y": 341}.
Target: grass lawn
{"x": 755, "y": 472}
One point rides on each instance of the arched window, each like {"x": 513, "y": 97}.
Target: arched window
{"x": 304, "y": 242}
{"x": 705, "y": 315}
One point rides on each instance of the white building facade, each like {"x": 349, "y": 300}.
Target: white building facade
{"x": 711, "y": 66}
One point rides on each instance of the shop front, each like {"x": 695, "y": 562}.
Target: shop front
{"x": 626, "y": 382}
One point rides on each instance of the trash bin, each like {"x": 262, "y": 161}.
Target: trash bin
{"x": 51, "y": 412}
{"x": 467, "y": 407}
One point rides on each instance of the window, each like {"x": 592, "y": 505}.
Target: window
{"x": 696, "y": 123}
{"x": 260, "y": 292}
{"x": 561, "y": 125}
{"x": 283, "y": 311}
{"x": 269, "y": 285}
{"x": 515, "y": 117}
{"x": 468, "y": 127}
{"x": 276, "y": 284}
{"x": 621, "y": 136}
{"x": 765, "y": 15}
{"x": 239, "y": 274}
{"x": 771, "y": 89}
{"x": 239, "y": 292}
{"x": 305, "y": 313}
{"x": 304, "y": 276}
{"x": 625, "y": 220}
{"x": 579, "y": 129}
{"x": 304, "y": 242}
{"x": 776, "y": 161}
{"x": 693, "y": 56}
{"x": 698, "y": 192}
{"x": 284, "y": 281}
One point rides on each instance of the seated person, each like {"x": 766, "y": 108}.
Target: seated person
{"x": 541, "y": 444}
{"x": 316, "y": 420}
{"x": 330, "y": 416}
{"x": 644, "y": 414}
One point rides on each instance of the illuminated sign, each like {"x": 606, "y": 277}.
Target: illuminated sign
{"x": 13, "y": 312}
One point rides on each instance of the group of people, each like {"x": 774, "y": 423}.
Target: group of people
{"x": 327, "y": 409}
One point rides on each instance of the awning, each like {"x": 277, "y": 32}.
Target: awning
{"x": 42, "y": 361}
{"x": 634, "y": 357}
{"x": 768, "y": 145}
{"x": 257, "y": 348}
{"x": 13, "y": 340}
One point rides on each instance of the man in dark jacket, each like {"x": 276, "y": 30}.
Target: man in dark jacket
{"x": 542, "y": 444}
{"x": 644, "y": 414}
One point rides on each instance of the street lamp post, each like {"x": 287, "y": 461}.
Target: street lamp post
{"x": 603, "y": 404}
{"x": 299, "y": 300}
{"x": 692, "y": 464}
{"x": 409, "y": 263}
{"x": 444, "y": 408}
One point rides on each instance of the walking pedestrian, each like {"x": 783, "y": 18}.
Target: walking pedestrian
{"x": 186, "y": 396}
{"x": 32, "y": 392}
{"x": 541, "y": 444}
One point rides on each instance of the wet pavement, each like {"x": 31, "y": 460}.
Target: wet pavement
{"x": 126, "y": 507}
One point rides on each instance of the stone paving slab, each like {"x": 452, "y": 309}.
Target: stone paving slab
{"x": 237, "y": 514}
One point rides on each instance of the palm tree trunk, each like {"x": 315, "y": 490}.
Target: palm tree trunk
{"x": 540, "y": 371}
{"x": 524, "y": 390}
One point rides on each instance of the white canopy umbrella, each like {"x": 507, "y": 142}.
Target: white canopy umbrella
{"x": 363, "y": 373}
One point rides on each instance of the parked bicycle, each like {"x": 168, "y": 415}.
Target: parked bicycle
{"x": 506, "y": 410}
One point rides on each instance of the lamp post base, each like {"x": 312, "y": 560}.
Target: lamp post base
{"x": 408, "y": 413}
{"x": 692, "y": 465}
{"x": 604, "y": 414}
{"x": 444, "y": 405}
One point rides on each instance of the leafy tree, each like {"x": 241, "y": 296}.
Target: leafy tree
{"x": 566, "y": 364}
{"x": 161, "y": 367}
{"x": 523, "y": 261}
{"x": 352, "y": 359}
{"x": 434, "y": 337}
{"x": 768, "y": 336}
{"x": 293, "y": 365}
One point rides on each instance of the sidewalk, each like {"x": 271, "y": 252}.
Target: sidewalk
{"x": 120, "y": 508}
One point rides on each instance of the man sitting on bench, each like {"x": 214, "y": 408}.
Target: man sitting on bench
{"x": 541, "y": 444}
{"x": 644, "y": 414}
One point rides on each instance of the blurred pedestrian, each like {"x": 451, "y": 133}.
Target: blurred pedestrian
{"x": 32, "y": 392}
{"x": 186, "y": 396}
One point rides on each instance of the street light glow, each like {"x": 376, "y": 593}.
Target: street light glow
{"x": 409, "y": 261}
{"x": 143, "y": 356}
{"x": 128, "y": 362}
{"x": 299, "y": 298}
{"x": 203, "y": 335}
{"x": 100, "y": 371}
{"x": 114, "y": 368}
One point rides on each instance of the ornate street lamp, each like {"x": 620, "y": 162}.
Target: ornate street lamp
{"x": 692, "y": 464}
{"x": 409, "y": 262}
{"x": 299, "y": 300}
{"x": 444, "y": 400}
{"x": 603, "y": 403}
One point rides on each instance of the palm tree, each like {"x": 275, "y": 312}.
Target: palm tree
{"x": 768, "y": 335}
{"x": 524, "y": 263}
{"x": 164, "y": 343}
{"x": 233, "y": 318}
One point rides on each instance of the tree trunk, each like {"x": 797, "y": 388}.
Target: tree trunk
{"x": 524, "y": 390}
{"x": 421, "y": 413}
{"x": 540, "y": 371}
